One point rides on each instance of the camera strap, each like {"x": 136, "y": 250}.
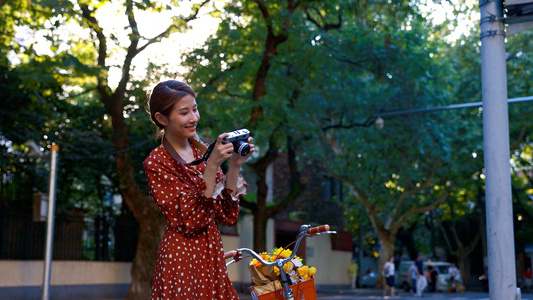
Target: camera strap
{"x": 206, "y": 150}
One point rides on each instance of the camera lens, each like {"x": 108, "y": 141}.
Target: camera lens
{"x": 241, "y": 147}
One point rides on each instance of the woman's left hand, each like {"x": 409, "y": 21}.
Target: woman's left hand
{"x": 237, "y": 159}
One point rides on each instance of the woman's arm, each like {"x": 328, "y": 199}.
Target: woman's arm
{"x": 235, "y": 164}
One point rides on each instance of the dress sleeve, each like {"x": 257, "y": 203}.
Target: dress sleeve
{"x": 226, "y": 204}
{"x": 180, "y": 196}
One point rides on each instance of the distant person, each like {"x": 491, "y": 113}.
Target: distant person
{"x": 421, "y": 281}
{"x": 411, "y": 274}
{"x": 453, "y": 271}
{"x": 527, "y": 279}
{"x": 452, "y": 274}
{"x": 388, "y": 273}
{"x": 353, "y": 270}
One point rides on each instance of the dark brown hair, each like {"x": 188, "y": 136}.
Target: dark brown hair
{"x": 163, "y": 97}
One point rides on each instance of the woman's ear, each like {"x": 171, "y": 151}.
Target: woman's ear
{"x": 162, "y": 119}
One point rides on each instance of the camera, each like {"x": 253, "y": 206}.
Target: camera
{"x": 239, "y": 139}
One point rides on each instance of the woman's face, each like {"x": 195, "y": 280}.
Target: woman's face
{"x": 183, "y": 118}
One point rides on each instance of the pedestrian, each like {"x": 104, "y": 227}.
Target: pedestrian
{"x": 353, "y": 268}
{"x": 411, "y": 274}
{"x": 432, "y": 275}
{"x": 527, "y": 279}
{"x": 388, "y": 273}
{"x": 421, "y": 281}
{"x": 194, "y": 198}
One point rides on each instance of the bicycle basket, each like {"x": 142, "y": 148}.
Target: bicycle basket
{"x": 305, "y": 289}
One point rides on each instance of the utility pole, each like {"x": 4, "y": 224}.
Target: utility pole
{"x": 50, "y": 224}
{"x": 498, "y": 199}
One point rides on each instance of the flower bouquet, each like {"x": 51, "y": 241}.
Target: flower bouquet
{"x": 267, "y": 279}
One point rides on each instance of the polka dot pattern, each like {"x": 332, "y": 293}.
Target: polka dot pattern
{"x": 190, "y": 263}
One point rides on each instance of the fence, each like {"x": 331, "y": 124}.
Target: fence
{"x": 76, "y": 237}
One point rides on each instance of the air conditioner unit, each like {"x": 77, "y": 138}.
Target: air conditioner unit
{"x": 40, "y": 207}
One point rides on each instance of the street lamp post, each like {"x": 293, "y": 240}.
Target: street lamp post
{"x": 50, "y": 224}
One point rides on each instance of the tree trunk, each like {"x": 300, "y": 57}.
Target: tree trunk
{"x": 144, "y": 209}
{"x": 260, "y": 225}
{"x": 150, "y": 230}
{"x": 385, "y": 252}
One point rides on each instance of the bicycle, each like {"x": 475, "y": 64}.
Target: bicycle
{"x": 287, "y": 293}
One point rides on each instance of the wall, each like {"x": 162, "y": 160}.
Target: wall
{"x": 331, "y": 265}
{"x": 100, "y": 280}
{"x": 69, "y": 279}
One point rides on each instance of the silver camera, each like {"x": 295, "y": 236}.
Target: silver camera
{"x": 239, "y": 139}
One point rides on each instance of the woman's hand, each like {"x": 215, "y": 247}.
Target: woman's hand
{"x": 237, "y": 160}
{"x": 221, "y": 152}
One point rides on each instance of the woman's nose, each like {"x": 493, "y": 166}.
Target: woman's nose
{"x": 195, "y": 117}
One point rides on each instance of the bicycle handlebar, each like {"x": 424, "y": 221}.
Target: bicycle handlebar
{"x": 232, "y": 253}
{"x": 305, "y": 231}
{"x": 316, "y": 230}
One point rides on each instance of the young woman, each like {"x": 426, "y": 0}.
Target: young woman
{"x": 389, "y": 273}
{"x": 194, "y": 198}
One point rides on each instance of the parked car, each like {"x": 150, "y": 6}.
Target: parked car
{"x": 371, "y": 279}
{"x": 441, "y": 267}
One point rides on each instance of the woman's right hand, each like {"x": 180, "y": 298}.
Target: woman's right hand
{"x": 221, "y": 152}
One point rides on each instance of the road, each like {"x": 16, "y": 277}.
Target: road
{"x": 372, "y": 294}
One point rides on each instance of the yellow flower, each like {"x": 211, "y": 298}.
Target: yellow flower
{"x": 277, "y": 250}
{"x": 286, "y": 253}
{"x": 256, "y": 263}
{"x": 287, "y": 267}
{"x": 264, "y": 256}
{"x": 306, "y": 277}
{"x": 312, "y": 271}
{"x": 283, "y": 253}
{"x": 276, "y": 270}
{"x": 302, "y": 271}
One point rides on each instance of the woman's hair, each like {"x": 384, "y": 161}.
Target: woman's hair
{"x": 163, "y": 97}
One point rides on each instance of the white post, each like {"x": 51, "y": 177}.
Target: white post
{"x": 499, "y": 210}
{"x": 50, "y": 224}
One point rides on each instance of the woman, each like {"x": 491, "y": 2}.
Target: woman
{"x": 388, "y": 272}
{"x": 194, "y": 198}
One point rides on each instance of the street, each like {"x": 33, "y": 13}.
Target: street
{"x": 368, "y": 294}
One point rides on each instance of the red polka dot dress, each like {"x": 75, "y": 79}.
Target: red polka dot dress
{"x": 190, "y": 263}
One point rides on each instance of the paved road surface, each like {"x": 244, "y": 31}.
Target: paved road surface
{"x": 372, "y": 294}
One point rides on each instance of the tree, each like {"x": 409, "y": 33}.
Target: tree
{"x": 84, "y": 65}
{"x": 256, "y": 62}
{"x": 408, "y": 167}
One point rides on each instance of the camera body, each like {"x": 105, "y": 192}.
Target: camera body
{"x": 239, "y": 139}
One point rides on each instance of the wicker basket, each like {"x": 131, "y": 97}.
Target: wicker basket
{"x": 304, "y": 290}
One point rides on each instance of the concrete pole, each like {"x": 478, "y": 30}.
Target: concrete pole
{"x": 499, "y": 210}
{"x": 50, "y": 225}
